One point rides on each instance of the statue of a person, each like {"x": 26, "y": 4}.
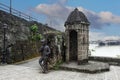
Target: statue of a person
{"x": 45, "y": 52}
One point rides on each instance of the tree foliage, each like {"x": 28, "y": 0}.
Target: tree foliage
{"x": 35, "y": 35}
{"x": 34, "y": 28}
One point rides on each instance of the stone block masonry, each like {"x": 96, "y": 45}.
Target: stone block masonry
{"x": 77, "y": 39}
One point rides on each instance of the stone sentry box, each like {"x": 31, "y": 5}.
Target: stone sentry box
{"x": 77, "y": 37}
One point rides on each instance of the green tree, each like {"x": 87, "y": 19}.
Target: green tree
{"x": 34, "y": 28}
{"x": 35, "y": 35}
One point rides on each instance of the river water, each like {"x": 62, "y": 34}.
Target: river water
{"x": 104, "y": 51}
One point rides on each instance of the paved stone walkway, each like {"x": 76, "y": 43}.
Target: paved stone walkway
{"x": 32, "y": 71}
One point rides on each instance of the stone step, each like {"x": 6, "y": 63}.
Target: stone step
{"x": 90, "y": 67}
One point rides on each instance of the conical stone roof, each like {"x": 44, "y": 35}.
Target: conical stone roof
{"x": 75, "y": 17}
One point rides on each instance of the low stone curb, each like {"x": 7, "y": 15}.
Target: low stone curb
{"x": 80, "y": 68}
{"x": 21, "y": 62}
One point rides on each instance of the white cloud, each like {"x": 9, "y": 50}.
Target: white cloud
{"x": 94, "y": 36}
{"x": 52, "y": 11}
{"x": 57, "y": 14}
{"x": 108, "y": 17}
{"x": 112, "y": 38}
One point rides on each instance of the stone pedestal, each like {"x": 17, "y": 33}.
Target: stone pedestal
{"x": 90, "y": 67}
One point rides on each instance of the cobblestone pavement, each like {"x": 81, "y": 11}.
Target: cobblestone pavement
{"x": 32, "y": 71}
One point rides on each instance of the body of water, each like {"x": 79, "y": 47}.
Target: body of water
{"x": 104, "y": 51}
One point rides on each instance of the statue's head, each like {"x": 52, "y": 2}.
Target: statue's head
{"x": 43, "y": 42}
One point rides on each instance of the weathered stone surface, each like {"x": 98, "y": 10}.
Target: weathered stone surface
{"x": 90, "y": 67}
{"x": 110, "y": 60}
{"x": 18, "y": 28}
{"x": 31, "y": 70}
{"x": 76, "y": 17}
{"x": 77, "y": 39}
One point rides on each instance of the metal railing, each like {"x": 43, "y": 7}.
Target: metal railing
{"x": 16, "y": 12}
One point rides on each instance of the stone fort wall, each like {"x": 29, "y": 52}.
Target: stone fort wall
{"x": 110, "y": 60}
{"x": 22, "y": 50}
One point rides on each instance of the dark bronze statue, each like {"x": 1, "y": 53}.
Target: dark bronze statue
{"x": 45, "y": 52}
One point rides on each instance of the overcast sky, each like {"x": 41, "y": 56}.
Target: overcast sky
{"x": 104, "y": 15}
